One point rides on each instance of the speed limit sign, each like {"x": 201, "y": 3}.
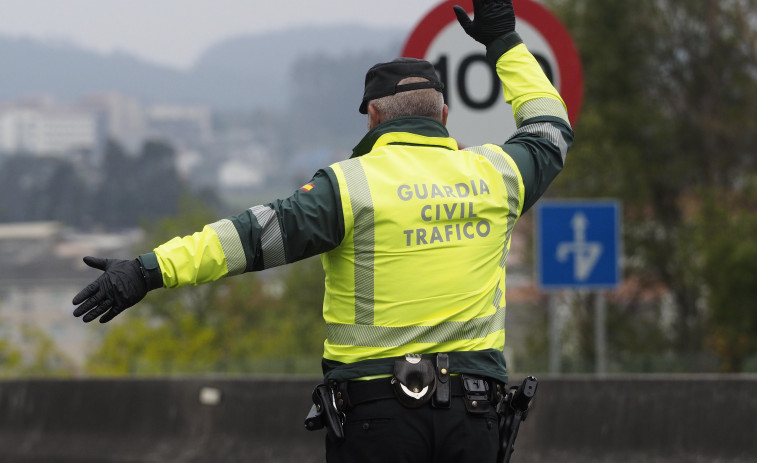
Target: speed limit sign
{"x": 478, "y": 112}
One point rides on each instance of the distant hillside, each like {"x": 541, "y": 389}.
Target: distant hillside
{"x": 243, "y": 72}
{"x": 65, "y": 71}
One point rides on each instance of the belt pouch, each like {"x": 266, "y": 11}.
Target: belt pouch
{"x": 442, "y": 395}
{"x": 476, "y": 394}
{"x": 414, "y": 380}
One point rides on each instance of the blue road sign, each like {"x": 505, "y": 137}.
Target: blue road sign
{"x": 578, "y": 244}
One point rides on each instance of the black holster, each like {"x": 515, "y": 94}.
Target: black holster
{"x": 513, "y": 409}
{"x": 324, "y": 413}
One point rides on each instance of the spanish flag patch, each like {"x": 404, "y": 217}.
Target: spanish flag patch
{"x": 307, "y": 187}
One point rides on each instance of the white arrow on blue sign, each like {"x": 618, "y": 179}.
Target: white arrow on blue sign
{"x": 578, "y": 244}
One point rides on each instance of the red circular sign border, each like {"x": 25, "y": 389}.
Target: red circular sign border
{"x": 568, "y": 61}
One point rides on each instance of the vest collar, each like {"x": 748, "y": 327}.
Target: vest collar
{"x": 410, "y": 130}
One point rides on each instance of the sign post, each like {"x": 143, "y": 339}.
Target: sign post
{"x": 578, "y": 247}
{"x": 478, "y": 112}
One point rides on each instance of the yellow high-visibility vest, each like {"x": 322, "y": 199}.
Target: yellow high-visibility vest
{"x": 422, "y": 265}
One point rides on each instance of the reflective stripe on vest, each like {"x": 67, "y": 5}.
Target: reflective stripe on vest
{"x": 395, "y": 336}
{"x": 360, "y": 198}
{"x": 511, "y": 178}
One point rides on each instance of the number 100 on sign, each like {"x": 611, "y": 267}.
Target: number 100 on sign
{"x": 473, "y": 91}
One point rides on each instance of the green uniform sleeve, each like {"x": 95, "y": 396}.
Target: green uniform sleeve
{"x": 307, "y": 223}
{"x": 543, "y": 137}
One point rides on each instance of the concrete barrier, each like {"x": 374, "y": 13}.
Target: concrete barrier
{"x": 156, "y": 420}
{"x": 575, "y": 419}
{"x": 642, "y": 419}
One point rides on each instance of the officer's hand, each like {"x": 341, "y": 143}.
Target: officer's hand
{"x": 491, "y": 19}
{"x": 120, "y": 287}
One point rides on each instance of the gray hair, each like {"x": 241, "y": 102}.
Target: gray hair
{"x": 423, "y": 102}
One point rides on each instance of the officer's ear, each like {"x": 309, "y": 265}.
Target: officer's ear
{"x": 445, "y": 113}
{"x": 374, "y": 117}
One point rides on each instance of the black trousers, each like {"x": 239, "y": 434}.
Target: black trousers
{"x": 386, "y": 431}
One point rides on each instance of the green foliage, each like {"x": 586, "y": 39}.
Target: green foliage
{"x": 44, "y": 358}
{"x": 301, "y": 308}
{"x": 669, "y": 113}
{"x": 33, "y": 353}
{"x": 729, "y": 257}
{"x": 10, "y": 356}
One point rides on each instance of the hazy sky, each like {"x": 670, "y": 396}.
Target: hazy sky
{"x": 175, "y": 32}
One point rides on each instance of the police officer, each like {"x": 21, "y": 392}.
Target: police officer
{"x": 413, "y": 233}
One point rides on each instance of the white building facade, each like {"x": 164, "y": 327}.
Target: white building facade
{"x": 46, "y": 131}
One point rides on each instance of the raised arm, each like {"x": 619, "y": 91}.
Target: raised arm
{"x": 543, "y": 137}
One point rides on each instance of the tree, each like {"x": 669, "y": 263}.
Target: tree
{"x": 667, "y": 123}
{"x": 323, "y": 123}
{"x": 32, "y": 353}
{"x": 112, "y": 199}
{"x": 10, "y": 356}
{"x": 34, "y": 189}
{"x": 301, "y": 310}
{"x": 729, "y": 256}
{"x": 159, "y": 188}
{"x": 142, "y": 187}
{"x": 69, "y": 197}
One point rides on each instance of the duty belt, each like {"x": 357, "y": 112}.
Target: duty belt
{"x": 481, "y": 393}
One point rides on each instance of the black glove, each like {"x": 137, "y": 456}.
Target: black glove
{"x": 491, "y": 19}
{"x": 120, "y": 287}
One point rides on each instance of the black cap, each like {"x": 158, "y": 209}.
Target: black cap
{"x": 381, "y": 80}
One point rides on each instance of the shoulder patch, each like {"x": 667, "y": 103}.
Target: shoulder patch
{"x": 307, "y": 187}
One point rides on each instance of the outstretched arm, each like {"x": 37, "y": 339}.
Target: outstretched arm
{"x": 307, "y": 223}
